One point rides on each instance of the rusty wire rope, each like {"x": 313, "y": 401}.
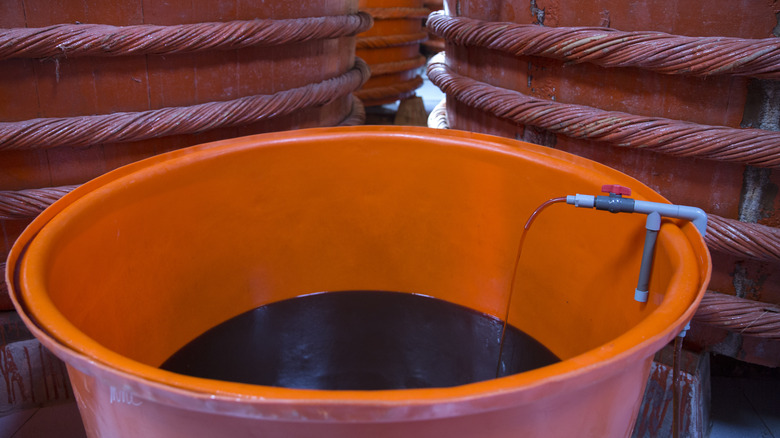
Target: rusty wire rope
{"x": 357, "y": 115}
{"x": 739, "y": 315}
{"x": 397, "y": 66}
{"x": 672, "y": 137}
{"x": 655, "y": 51}
{"x": 746, "y": 240}
{"x": 72, "y": 40}
{"x": 26, "y": 204}
{"x": 132, "y": 126}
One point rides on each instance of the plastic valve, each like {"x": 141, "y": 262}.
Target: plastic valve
{"x": 614, "y": 189}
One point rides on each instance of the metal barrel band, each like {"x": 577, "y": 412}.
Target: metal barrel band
{"x": 357, "y": 115}
{"x": 742, "y": 239}
{"x": 132, "y": 126}
{"x": 28, "y": 203}
{"x": 654, "y": 51}
{"x": 756, "y": 147}
{"x": 72, "y": 40}
{"x": 739, "y": 315}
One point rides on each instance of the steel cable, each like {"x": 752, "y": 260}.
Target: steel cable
{"x": 672, "y": 137}
{"x": 739, "y": 315}
{"x": 71, "y": 40}
{"x": 655, "y": 51}
{"x": 132, "y": 126}
{"x": 746, "y": 240}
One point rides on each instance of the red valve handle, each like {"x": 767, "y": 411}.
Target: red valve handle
{"x": 616, "y": 189}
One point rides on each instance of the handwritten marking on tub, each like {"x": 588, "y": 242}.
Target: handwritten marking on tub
{"x": 125, "y": 397}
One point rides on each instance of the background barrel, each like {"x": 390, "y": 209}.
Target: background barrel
{"x": 88, "y": 86}
{"x": 682, "y": 95}
{"x": 392, "y": 50}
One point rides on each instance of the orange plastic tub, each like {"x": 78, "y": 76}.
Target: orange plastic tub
{"x": 129, "y": 267}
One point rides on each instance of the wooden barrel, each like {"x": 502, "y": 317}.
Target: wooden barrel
{"x": 86, "y": 87}
{"x": 683, "y": 95}
{"x": 392, "y": 50}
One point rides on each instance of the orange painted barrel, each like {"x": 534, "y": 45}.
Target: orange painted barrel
{"x": 124, "y": 270}
{"x": 650, "y": 88}
{"x": 392, "y": 50}
{"x": 86, "y": 87}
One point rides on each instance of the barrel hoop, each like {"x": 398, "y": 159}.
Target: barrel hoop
{"x": 742, "y": 239}
{"x": 385, "y": 41}
{"x": 72, "y": 40}
{"x": 367, "y": 95}
{"x": 739, "y": 315}
{"x": 756, "y": 147}
{"x": 132, "y": 126}
{"x": 357, "y": 115}
{"x": 397, "y": 66}
{"x": 395, "y": 13}
{"x": 654, "y": 51}
{"x": 28, "y": 203}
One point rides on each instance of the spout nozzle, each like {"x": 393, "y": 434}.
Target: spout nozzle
{"x": 583, "y": 201}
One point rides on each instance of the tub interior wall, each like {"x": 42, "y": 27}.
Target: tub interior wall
{"x": 205, "y": 241}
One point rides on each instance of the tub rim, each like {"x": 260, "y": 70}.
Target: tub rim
{"x": 151, "y": 383}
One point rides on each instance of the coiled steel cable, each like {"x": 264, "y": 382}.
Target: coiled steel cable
{"x": 72, "y": 40}
{"x": 655, "y": 51}
{"x": 746, "y": 240}
{"x": 357, "y": 115}
{"x": 739, "y": 315}
{"x": 369, "y": 95}
{"x": 26, "y": 204}
{"x": 132, "y": 126}
{"x": 672, "y": 137}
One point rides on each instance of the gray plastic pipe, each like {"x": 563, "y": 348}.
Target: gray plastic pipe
{"x": 616, "y": 203}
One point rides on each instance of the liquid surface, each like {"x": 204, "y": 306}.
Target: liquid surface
{"x": 359, "y": 340}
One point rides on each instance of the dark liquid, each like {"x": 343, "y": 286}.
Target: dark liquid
{"x": 361, "y": 340}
